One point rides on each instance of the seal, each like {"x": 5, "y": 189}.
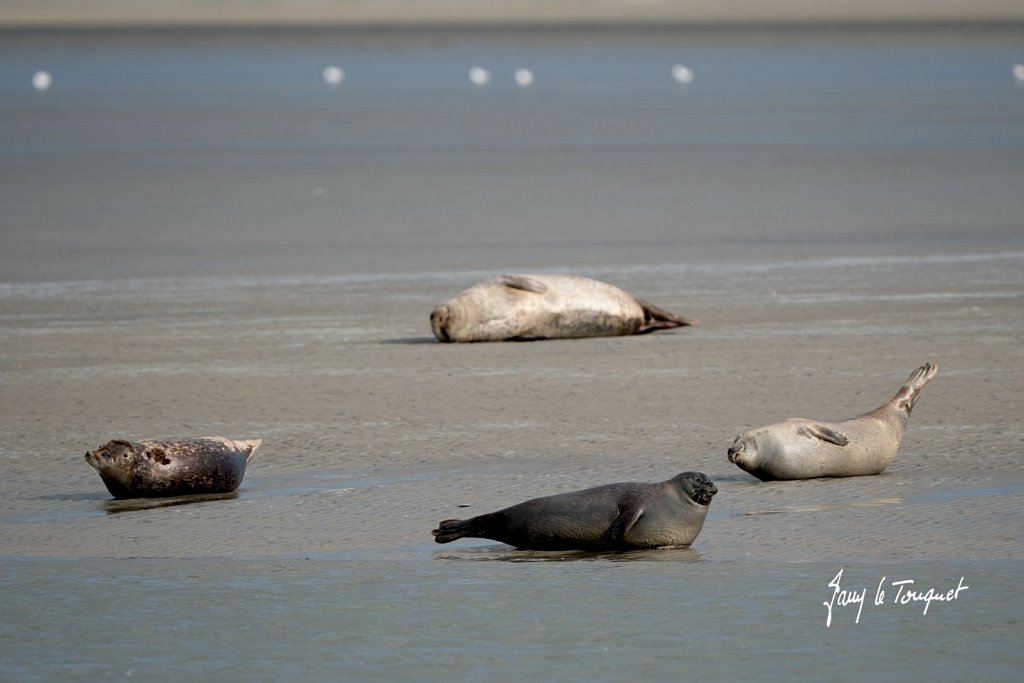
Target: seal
{"x": 625, "y": 516}
{"x": 526, "y": 307}
{"x": 800, "y": 448}
{"x": 151, "y": 468}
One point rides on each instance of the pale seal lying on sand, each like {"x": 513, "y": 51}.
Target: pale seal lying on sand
{"x": 147, "y": 468}
{"x": 799, "y": 448}
{"x": 626, "y": 516}
{"x": 522, "y": 307}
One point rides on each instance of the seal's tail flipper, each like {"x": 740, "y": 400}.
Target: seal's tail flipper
{"x": 451, "y": 529}
{"x": 911, "y": 389}
{"x": 252, "y": 445}
{"x": 659, "y": 319}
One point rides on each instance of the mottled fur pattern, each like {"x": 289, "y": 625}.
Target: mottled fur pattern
{"x": 172, "y": 468}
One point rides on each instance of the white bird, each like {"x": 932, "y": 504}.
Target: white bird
{"x": 333, "y": 75}
{"x": 479, "y": 76}
{"x": 524, "y": 77}
{"x": 682, "y": 74}
{"x": 42, "y": 80}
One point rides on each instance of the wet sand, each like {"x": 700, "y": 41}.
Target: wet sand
{"x": 373, "y": 431}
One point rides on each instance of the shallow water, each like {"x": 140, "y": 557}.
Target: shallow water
{"x": 200, "y": 237}
{"x": 412, "y": 615}
{"x": 177, "y": 153}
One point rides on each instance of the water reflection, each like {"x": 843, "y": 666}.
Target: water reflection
{"x": 505, "y": 553}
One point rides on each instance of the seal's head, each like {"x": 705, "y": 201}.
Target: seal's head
{"x": 473, "y": 315}
{"x": 698, "y": 487}
{"x": 116, "y": 462}
{"x": 111, "y": 455}
{"x": 743, "y": 452}
{"x": 440, "y": 320}
{"x": 493, "y": 310}
{"x": 480, "y": 313}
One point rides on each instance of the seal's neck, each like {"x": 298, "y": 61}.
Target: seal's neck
{"x": 903, "y": 402}
{"x": 897, "y": 409}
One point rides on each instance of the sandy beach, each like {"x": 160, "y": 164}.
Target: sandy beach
{"x": 202, "y": 237}
{"x": 372, "y": 417}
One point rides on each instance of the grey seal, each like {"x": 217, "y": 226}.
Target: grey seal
{"x": 800, "y": 448}
{"x": 624, "y": 516}
{"x": 524, "y": 307}
{"x": 150, "y": 468}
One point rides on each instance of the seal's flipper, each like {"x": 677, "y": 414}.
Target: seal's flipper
{"x": 918, "y": 378}
{"x": 451, "y": 530}
{"x": 659, "y": 319}
{"x": 523, "y": 282}
{"x": 629, "y": 515}
{"x": 815, "y": 430}
{"x": 252, "y": 445}
{"x": 908, "y": 394}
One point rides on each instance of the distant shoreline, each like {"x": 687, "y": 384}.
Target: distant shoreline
{"x": 948, "y": 32}
{"x": 521, "y": 13}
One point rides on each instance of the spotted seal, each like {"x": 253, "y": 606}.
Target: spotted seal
{"x": 150, "y": 468}
{"x": 524, "y": 307}
{"x": 800, "y": 448}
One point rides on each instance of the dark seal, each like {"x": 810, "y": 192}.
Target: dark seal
{"x": 152, "y": 468}
{"x": 625, "y": 516}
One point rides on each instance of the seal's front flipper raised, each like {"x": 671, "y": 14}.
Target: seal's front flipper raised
{"x": 815, "y": 430}
{"x": 659, "y": 319}
{"x": 629, "y": 515}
